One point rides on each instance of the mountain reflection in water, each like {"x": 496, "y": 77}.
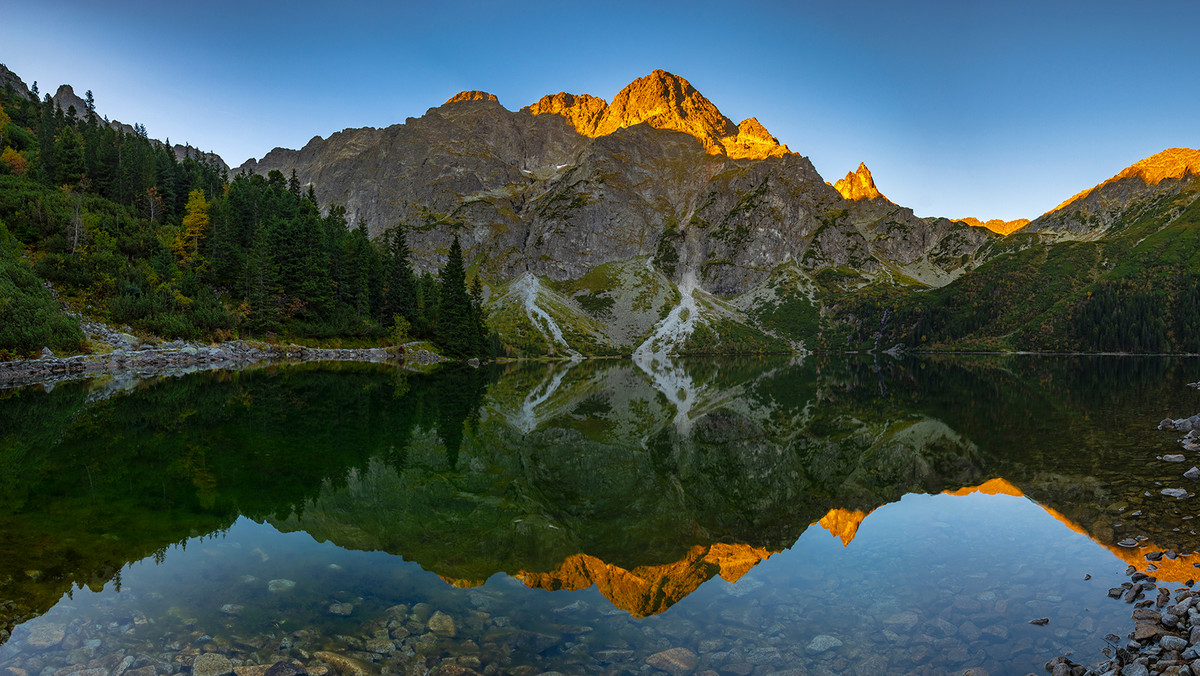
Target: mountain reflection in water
{"x": 569, "y": 476}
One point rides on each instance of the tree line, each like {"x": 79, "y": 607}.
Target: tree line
{"x": 122, "y": 226}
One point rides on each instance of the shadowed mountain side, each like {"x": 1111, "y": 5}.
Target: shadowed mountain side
{"x": 648, "y": 177}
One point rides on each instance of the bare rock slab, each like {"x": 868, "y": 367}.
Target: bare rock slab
{"x": 676, "y": 661}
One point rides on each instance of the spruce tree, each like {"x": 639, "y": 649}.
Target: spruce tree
{"x": 454, "y": 312}
{"x": 479, "y": 332}
{"x": 399, "y": 296}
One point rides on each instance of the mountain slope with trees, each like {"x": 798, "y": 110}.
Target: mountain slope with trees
{"x": 493, "y": 232}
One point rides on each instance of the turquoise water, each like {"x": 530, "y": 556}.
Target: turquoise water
{"x": 739, "y": 518}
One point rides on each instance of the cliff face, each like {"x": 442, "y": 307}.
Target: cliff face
{"x": 573, "y": 182}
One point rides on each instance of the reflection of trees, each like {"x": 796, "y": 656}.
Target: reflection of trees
{"x": 87, "y": 489}
{"x": 460, "y": 481}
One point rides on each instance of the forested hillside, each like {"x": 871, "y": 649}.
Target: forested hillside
{"x": 125, "y": 231}
{"x": 1135, "y": 289}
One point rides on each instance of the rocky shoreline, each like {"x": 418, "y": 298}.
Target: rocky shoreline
{"x": 134, "y": 356}
{"x": 1166, "y": 636}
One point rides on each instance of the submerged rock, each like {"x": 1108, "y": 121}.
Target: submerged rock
{"x": 1177, "y": 493}
{"x": 442, "y": 625}
{"x": 286, "y": 669}
{"x": 212, "y": 664}
{"x": 280, "y": 585}
{"x": 341, "y": 609}
{"x": 677, "y": 661}
{"x": 46, "y": 635}
{"x": 822, "y": 643}
{"x": 345, "y": 666}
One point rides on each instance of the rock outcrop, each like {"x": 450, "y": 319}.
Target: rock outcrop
{"x": 10, "y": 79}
{"x": 858, "y": 185}
{"x": 1093, "y": 212}
{"x": 472, "y": 95}
{"x": 664, "y": 101}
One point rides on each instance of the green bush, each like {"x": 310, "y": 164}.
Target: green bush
{"x": 29, "y": 317}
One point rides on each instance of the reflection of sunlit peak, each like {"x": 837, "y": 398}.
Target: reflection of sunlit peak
{"x": 649, "y": 590}
{"x": 997, "y": 486}
{"x": 843, "y": 523}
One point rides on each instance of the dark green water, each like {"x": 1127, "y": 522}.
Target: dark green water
{"x": 748, "y": 517}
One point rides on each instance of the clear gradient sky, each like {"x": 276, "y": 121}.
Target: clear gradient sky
{"x": 993, "y": 110}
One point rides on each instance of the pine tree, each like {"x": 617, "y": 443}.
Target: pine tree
{"x": 260, "y": 280}
{"x": 479, "y": 331}
{"x": 68, "y": 153}
{"x": 454, "y": 312}
{"x": 399, "y": 297}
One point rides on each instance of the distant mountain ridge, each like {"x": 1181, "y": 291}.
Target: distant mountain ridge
{"x": 653, "y": 225}
{"x": 573, "y": 208}
{"x": 65, "y": 97}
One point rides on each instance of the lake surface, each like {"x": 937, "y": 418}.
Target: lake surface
{"x": 820, "y": 516}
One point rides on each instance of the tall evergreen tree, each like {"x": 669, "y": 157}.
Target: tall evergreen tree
{"x": 399, "y": 296}
{"x": 454, "y": 312}
{"x": 479, "y": 332}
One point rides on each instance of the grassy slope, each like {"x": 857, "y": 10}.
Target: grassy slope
{"x": 1132, "y": 290}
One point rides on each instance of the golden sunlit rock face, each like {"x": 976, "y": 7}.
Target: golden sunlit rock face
{"x": 996, "y": 225}
{"x": 843, "y": 523}
{"x": 1170, "y": 163}
{"x": 472, "y": 95}
{"x": 664, "y": 101}
{"x": 858, "y": 185}
{"x": 645, "y": 590}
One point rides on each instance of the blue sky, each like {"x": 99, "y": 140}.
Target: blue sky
{"x": 993, "y": 110}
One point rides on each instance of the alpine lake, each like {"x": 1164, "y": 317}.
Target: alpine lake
{"x": 830, "y": 515}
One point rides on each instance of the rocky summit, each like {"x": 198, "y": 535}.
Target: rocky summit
{"x": 664, "y": 101}
{"x": 654, "y": 224}
{"x": 858, "y": 185}
{"x": 654, "y": 195}
{"x": 997, "y": 225}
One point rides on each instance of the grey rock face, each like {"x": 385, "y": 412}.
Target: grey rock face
{"x": 1105, "y": 206}
{"x": 527, "y": 193}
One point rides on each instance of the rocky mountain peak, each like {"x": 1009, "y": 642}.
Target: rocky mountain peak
{"x": 66, "y": 97}
{"x": 10, "y": 79}
{"x": 583, "y": 112}
{"x": 471, "y": 95}
{"x": 1171, "y": 163}
{"x": 858, "y": 185}
{"x": 996, "y": 225}
{"x": 663, "y": 101}
{"x": 667, "y": 101}
{"x": 1092, "y": 212}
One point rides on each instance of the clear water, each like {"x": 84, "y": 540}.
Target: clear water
{"x": 743, "y": 517}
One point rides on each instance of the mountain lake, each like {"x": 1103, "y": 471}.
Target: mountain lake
{"x": 826, "y": 515}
